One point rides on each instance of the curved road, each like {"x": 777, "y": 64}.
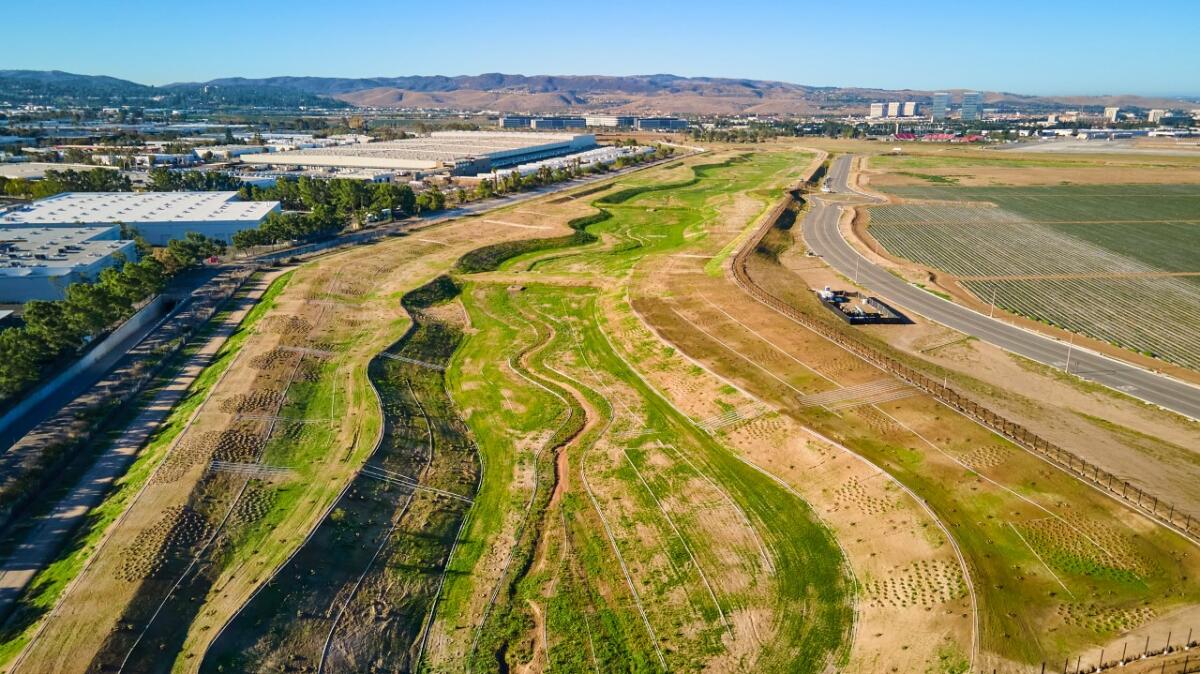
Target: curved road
{"x": 825, "y": 239}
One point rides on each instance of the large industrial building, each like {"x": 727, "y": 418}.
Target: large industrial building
{"x": 461, "y": 152}
{"x": 39, "y": 263}
{"x": 157, "y": 216}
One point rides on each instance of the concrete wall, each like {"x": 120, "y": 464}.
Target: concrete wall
{"x": 79, "y": 370}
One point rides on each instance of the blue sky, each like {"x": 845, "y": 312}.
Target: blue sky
{"x": 1063, "y": 47}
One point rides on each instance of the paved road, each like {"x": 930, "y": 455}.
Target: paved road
{"x": 825, "y": 239}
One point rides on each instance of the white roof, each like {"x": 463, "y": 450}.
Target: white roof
{"x": 36, "y": 170}
{"x": 137, "y": 208}
{"x": 429, "y": 152}
{"x": 59, "y": 251}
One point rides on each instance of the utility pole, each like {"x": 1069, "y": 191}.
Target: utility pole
{"x": 1070, "y": 347}
{"x": 992, "y": 311}
{"x": 856, "y": 262}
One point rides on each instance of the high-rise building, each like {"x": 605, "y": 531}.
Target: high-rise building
{"x": 910, "y": 108}
{"x": 893, "y": 109}
{"x": 1155, "y": 116}
{"x": 1111, "y": 113}
{"x": 971, "y": 101}
{"x": 941, "y": 103}
{"x": 876, "y": 110}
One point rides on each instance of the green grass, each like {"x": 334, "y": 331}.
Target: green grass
{"x": 47, "y": 586}
{"x": 810, "y": 589}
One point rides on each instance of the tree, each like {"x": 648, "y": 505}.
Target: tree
{"x": 192, "y": 248}
{"x": 47, "y": 322}
{"x": 20, "y": 361}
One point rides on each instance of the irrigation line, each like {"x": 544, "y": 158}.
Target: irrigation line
{"x": 666, "y": 515}
{"x": 787, "y": 487}
{"x": 762, "y": 548}
{"x": 106, "y": 538}
{"x": 357, "y": 584}
{"x": 608, "y": 529}
{"x": 1002, "y": 487}
{"x": 311, "y": 532}
{"x": 670, "y": 521}
{"x": 1039, "y": 558}
{"x": 219, "y": 528}
{"x": 700, "y": 569}
{"x": 462, "y": 525}
{"x": 536, "y": 478}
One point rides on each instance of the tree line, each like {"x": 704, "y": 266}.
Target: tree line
{"x": 51, "y": 332}
{"x": 70, "y": 180}
{"x": 316, "y": 207}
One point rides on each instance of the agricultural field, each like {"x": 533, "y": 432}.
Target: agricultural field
{"x": 1118, "y": 262}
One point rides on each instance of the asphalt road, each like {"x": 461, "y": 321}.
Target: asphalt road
{"x": 825, "y": 239}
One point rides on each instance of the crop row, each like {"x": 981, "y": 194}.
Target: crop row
{"x": 985, "y": 249}
{"x": 1075, "y": 203}
{"x": 1156, "y": 316}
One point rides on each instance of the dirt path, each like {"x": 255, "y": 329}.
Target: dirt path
{"x": 47, "y": 537}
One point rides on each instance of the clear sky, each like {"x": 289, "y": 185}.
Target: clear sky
{"x": 1023, "y": 46}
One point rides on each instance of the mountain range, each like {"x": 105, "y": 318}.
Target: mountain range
{"x": 635, "y": 94}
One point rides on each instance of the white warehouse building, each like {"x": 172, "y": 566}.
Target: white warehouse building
{"x": 157, "y": 216}
{"x": 462, "y": 152}
{"x": 39, "y": 263}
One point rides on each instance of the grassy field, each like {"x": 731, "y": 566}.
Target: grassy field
{"x": 1106, "y": 250}
{"x": 632, "y": 541}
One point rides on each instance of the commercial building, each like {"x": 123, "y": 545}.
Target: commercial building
{"x": 1112, "y": 113}
{"x": 36, "y": 170}
{"x": 544, "y": 123}
{"x": 460, "y": 152}
{"x": 876, "y": 110}
{"x": 611, "y": 121}
{"x": 157, "y": 216}
{"x": 508, "y": 122}
{"x": 971, "y": 102}
{"x": 893, "y": 109}
{"x": 226, "y": 152}
{"x": 601, "y": 155}
{"x": 909, "y": 109}
{"x": 940, "y": 106}
{"x": 1155, "y": 116}
{"x": 39, "y": 263}
{"x": 660, "y": 124}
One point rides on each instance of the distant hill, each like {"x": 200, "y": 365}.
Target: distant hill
{"x": 45, "y": 87}
{"x": 637, "y": 94}
{"x": 644, "y": 94}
